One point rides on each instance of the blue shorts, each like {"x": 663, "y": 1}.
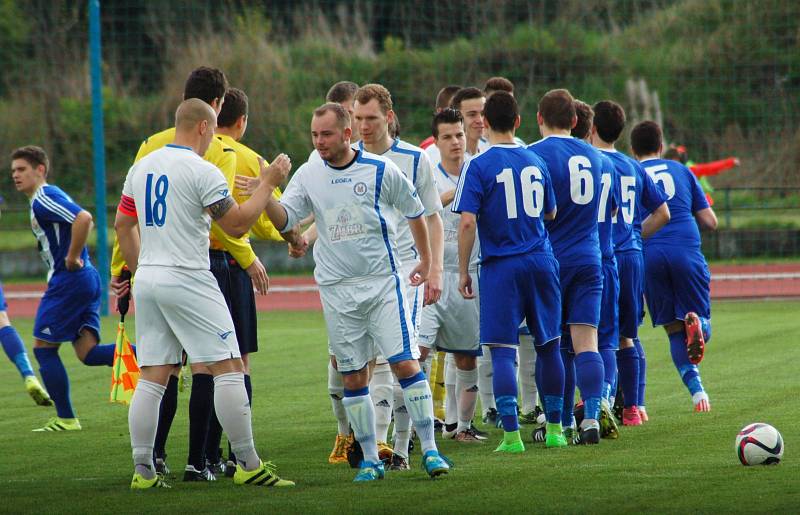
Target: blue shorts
{"x": 608, "y": 330}
{"x": 70, "y": 304}
{"x": 581, "y": 294}
{"x": 516, "y": 288}
{"x": 630, "y": 266}
{"x": 3, "y": 305}
{"x": 677, "y": 282}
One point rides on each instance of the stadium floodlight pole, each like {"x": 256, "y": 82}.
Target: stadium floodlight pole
{"x": 98, "y": 151}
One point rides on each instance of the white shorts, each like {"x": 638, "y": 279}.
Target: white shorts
{"x": 367, "y": 313}
{"x": 453, "y": 323}
{"x": 178, "y": 310}
{"x": 415, "y": 297}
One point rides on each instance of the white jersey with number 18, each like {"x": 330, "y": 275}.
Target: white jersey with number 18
{"x": 172, "y": 187}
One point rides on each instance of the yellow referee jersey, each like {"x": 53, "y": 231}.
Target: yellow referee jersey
{"x": 247, "y": 164}
{"x": 224, "y": 158}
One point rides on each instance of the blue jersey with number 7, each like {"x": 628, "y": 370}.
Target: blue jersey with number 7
{"x": 575, "y": 168}
{"x": 508, "y": 188}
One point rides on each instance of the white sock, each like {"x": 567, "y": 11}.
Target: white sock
{"x": 419, "y": 402}
{"x": 142, "y": 421}
{"x": 402, "y": 422}
{"x": 467, "y": 392}
{"x": 527, "y": 373}
{"x": 361, "y": 413}
{"x": 380, "y": 388}
{"x": 233, "y": 412}
{"x": 336, "y": 391}
{"x": 485, "y": 387}
{"x": 451, "y": 395}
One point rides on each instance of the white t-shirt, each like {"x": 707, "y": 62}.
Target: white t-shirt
{"x": 355, "y": 209}
{"x": 434, "y": 155}
{"x": 444, "y": 183}
{"x": 414, "y": 163}
{"x": 172, "y": 187}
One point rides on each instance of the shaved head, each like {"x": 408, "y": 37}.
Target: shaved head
{"x": 193, "y": 111}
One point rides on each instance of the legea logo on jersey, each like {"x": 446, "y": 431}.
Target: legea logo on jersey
{"x": 341, "y": 180}
{"x": 360, "y": 188}
{"x": 347, "y": 224}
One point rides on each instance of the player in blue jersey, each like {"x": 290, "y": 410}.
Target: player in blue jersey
{"x": 638, "y": 195}
{"x": 608, "y": 330}
{"x": 677, "y": 283}
{"x": 69, "y": 310}
{"x": 15, "y": 350}
{"x": 506, "y": 194}
{"x": 576, "y": 169}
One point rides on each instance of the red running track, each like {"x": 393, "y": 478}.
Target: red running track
{"x": 299, "y": 293}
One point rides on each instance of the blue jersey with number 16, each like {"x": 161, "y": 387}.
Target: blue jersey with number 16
{"x": 508, "y": 188}
{"x": 575, "y": 168}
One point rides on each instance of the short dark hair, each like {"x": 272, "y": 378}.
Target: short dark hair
{"x": 445, "y": 96}
{"x": 498, "y": 84}
{"x": 34, "y": 155}
{"x": 557, "y": 108}
{"x": 585, "y": 116}
{"x": 465, "y": 94}
{"x": 609, "y": 118}
{"x": 342, "y": 91}
{"x": 446, "y": 115}
{"x": 234, "y": 107}
{"x": 206, "y": 84}
{"x": 646, "y": 138}
{"x": 342, "y": 116}
{"x": 501, "y": 111}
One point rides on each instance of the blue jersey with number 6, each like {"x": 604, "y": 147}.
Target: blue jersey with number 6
{"x": 575, "y": 168}
{"x": 508, "y": 188}
{"x": 168, "y": 191}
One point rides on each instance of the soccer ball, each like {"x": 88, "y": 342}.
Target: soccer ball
{"x": 759, "y": 444}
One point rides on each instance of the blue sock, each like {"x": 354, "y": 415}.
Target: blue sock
{"x": 705, "y": 324}
{"x": 568, "y": 406}
{"x": 628, "y": 364}
{"x": 550, "y": 379}
{"x": 100, "y": 355}
{"x": 504, "y": 381}
{"x": 689, "y": 372}
{"x": 15, "y": 350}
{"x": 589, "y": 376}
{"x": 55, "y": 379}
{"x": 642, "y": 371}
{"x": 610, "y": 371}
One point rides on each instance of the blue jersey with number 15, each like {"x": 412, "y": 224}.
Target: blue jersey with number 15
{"x": 508, "y": 188}
{"x": 575, "y": 168}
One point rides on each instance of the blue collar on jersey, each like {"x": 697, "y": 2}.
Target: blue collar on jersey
{"x": 393, "y": 147}
{"x": 173, "y": 145}
{"x": 449, "y": 177}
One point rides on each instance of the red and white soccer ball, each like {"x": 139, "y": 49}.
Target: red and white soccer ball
{"x": 759, "y": 444}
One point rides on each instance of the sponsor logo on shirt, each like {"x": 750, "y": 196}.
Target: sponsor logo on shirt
{"x": 341, "y": 180}
{"x": 347, "y": 225}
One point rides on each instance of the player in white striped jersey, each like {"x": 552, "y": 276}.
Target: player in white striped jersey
{"x": 179, "y": 303}
{"x": 373, "y": 114}
{"x": 356, "y": 198}
{"x": 451, "y": 325}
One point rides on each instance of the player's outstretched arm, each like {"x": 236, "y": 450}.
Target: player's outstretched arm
{"x": 127, "y": 229}
{"x": 419, "y": 231}
{"x": 433, "y": 288}
{"x": 655, "y": 221}
{"x": 236, "y": 219}
{"x": 80, "y": 233}
{"x": 466, "y": 240}
{"x": 706, "y": 219}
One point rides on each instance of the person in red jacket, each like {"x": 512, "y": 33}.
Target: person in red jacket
{"x": 701, "y": 170}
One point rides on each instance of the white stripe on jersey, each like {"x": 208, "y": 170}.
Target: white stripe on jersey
{"x": 52, "y": 206}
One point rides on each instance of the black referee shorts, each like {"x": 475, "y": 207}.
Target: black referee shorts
{"x": 243, "y": 307}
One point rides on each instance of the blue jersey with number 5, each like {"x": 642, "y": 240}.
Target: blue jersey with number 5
{"x": 508, "y": 188}
{"x": 575, "y": 168}
{"x": 685, "y": 197}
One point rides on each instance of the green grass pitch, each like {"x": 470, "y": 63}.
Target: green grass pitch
{"x": 679, "y": 462}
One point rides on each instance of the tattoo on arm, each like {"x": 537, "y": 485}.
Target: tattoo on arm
{"x": 218, "y": 209}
